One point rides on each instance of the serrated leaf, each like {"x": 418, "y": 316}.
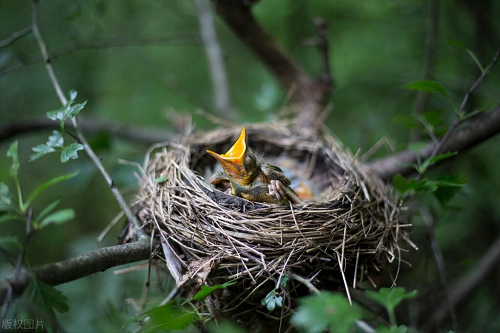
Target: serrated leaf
{"x": 12, "y": 153}
{"x": 390, "y": 298}
{"x": 47, "y": 184}
{"x": 431, "y": 161}
{"x": 166, "y": 318}
{"x": 58, "y": 217}
{"x": 205, "y": 290}
{"x": 426, "y": 86}
{"x": 161, "y": 179}
{"x": 457, "y": 44}
{"x": 55, "y": 140}
{"x": 40, "y": 151}
{"x": 403, "y": 185}
{"x": 325, "y": 311}
{"x": 57, "y": 115}
{"x": 271, "y": 301}
{"x": 5, "y": 199}
{"x": 46, "y": 297}
{"x": 72, "y": 95}
{"x": 75, "y": 109}
{"x": 71, "y": 152}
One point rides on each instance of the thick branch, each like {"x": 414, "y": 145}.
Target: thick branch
{"x": 81, "y": 266}
{"x": 137, "y": 134}
{"x": 473, "y": 132}
{"x": 307, "y": 92}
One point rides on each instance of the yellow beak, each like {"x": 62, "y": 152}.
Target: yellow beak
{"x": 232, "y": 161}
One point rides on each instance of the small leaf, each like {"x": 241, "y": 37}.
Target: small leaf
{"x": 392, "y": 329}
{"x": 5, "y": 199}
{"x": 284, "y": 280}
{"x": 470, "y": 115}
{"x": 205, "y": 291}
{"x": 448, "y": 186}
{"x": 47, "y": 210}
{"x": 431, "y": 161}
{"x": 40, "y": 151}
{"x": 72, "y": 95}
{"x": 426, "y": 86}
{"x": 161, "y": 179}
{"x": 167, "y": 318}
{"x": 434, "y": 117}
{"x": 55, "y": 140}
{"x": 45, "y": 297}
{"x": 47, "y": 184}
{"x": 325, "y": 311}
{"x": 271, "y": 301}
{"x": 12, "y": 153}
{"x": 390, "y": 298}
{"x": 58, "y": 217}
{"x": 403, "y": 185}
{"x": 57, "y": 115}
{"x": 71, "y": 152}
{"x": 457, "y": 44}
{"x": 75, "y": 109}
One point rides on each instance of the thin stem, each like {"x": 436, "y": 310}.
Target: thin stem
{"x": 392, "y": 317}
{"x": 19, "y": 195}
{"x": 53, "y": 78}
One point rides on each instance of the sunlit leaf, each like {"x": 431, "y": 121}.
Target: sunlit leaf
{"x": 57, "y": 115}
{"x": 426, "y": 86}
{"x": 271, "y": 301}
{"x": 58, "y": 217}
{"x": 166, "y": 318}
{"x": 40, "y": 151}
{"x": 12, "y": 153}
{"x": 325, "y": 311}
{"x": 205, "y": 291}
{"x": 55, "y": 140}
{"x": 75, "y": 109}
{"x": 72, "y": 95}
{"x": 390, "y": 298}
{"x": 47, "y": 184}
{"x": 71, "y": 152}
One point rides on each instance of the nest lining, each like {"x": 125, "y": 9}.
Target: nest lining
{"x": 214, "y": 237}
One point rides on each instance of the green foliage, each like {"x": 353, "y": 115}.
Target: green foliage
{"x": 48, "y": 184}
{"x": 71, "y": 152}
{"x": 462, "y": 46}
{"x": 12, "y": 153}
{"x": 41, "y": 150}
{"x": 5, "y": 199}
{"x": 205, "y": 290}
{"x": 223, "y": 327}
{"x": 67, "y": 111}
{"x": 426, "y": 86}
{"x": 390, "y": 299}
{"x": 161, "y": 179}
{"x": 167, "y": 318}
{"x": 433, "y": 160}
{"x": 58, "y": 217}
{"x": 326, "y": 311}
{"x": 271, "y": 301}
{"x": 46, "y": 297}
{"x": 392, "y": 329}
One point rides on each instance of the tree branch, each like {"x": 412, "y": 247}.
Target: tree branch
{"x": 62, "y": 98}
{"x": 137, "y": 134}
{"x": 81, "y": 266}
{"x": 15, "y": 36}
{"x": 309, "y": 94}
{"x": 215, "y": 58}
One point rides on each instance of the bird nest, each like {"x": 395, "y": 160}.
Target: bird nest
{"x": 340, "y": 239}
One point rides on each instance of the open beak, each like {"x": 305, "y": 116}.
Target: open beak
{"x": 232, "y": 161}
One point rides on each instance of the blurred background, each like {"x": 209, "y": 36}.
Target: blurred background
{"x": 144, "y": 64}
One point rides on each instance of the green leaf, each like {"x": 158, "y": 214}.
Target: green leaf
{"x": 457, "y": 44}
{"x": 5, "y": 199}
{"x": 166, "y": 318}
{"x": 47, "y": 184}
{"x": 205, "y": 291}
{"x": 284, "y": 280}
{"x": 55, "y": 140}
{"x": 426, "y": 86}
{"x": 47, "y": 210}
{"x": 161, "y": 179}
{"x": 324, "y": 311}
{"x": 72, "y": 95}
{"x": 40, "y": 151}
{"x": 392, "y": 329}
{"x": 390, "y": 298}
{"x": 46, "y": 297}
{"x": 448, "y": 186}
{"x": 271, "y": 301}
{"x": 71, "y": 152}
{"x": 58, "y": 217}
{"x": 57, "y": 115}
{"x": 10, "y": 240}
{"x": 434, "y": 117}
{"x": 407, "y": 121}
{"x": 403, "y": 185}
{"x": 12, "y": 153}
{"x": 75, "y": 109}
{"x": 431, "y": 161}
{"x": 470, "y": 115}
